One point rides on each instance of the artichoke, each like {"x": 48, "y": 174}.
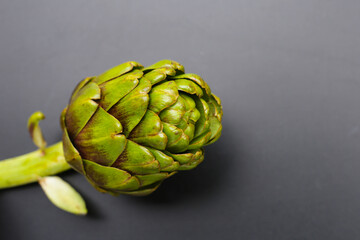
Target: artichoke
{"x": 126, "y": 130}
{"x": 131, "y": 127}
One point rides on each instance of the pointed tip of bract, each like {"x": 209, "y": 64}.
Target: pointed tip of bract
{"x": 117, "y": 71}
{"x": 178, "y": 66}
{"x": 167, "y": 63}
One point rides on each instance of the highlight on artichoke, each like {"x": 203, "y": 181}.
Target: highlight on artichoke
{"x": 126, "y": 131}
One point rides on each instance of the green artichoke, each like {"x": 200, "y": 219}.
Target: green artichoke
{"x": 126, "y": 130}
{"x": 131, "y": 127}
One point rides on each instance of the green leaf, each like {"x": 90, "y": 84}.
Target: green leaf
{"x": 190, "y": 159}
{"x": 189, "y": 86}
{"x": 192, "y": 164}
{"x": 189, "y": 131}
{"x": 62, "y": 195}
{"x": 191, "y": 112}
{"x": 174, "y": 113}
{"x": 146, "y": 180}
{"x": 80, "y": 86}
{"x": 81, "y": 108}
{"x": 71, "y": 154}
{"x": 182, "y": 158}
{"x": 131, "y": 109}
{"x": 178, "y": 141}
{"x": 200, "y": 141}
{"x": 215, "y": 127}
{"x": 110, "y": 177}
{"x": 149, "y": 132}
{"x": 195, "y": 78}
{"x": 114, "y": 90}
{"x": 35, "y": 130}
{"x": 218, "y": 108}
{"x": 163, "y": 95}
{"x": 166, "y": 63}
{"x": 157, "y": 75}
{"x": 167, "y": 163}
{"x": 117, "y": 71}
{"x": 202, "y": 125}
{"x": 101, "y": 140}
{"x": 137, "y": 159}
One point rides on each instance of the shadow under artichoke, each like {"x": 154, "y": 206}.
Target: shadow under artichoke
{"x": 202, "y": 182}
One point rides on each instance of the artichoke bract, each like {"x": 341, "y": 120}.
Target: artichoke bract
{"x": 131, "y": 127}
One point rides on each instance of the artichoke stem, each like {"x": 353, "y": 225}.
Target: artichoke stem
{"x": 30, "y": 167}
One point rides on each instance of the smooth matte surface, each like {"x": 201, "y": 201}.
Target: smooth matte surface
{"x": 288, "y": 163}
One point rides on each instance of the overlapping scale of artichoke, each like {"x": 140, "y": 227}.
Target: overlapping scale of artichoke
{"x": 131, "y": 127}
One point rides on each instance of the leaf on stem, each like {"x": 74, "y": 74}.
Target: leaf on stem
{"x": 63, "y": 195}
{"x": 35, "y": 130}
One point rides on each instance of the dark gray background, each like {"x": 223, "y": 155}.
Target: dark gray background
{"x": 288, "y": 73}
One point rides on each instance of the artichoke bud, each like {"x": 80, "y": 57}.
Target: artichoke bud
{"x": 131, "y": 127}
